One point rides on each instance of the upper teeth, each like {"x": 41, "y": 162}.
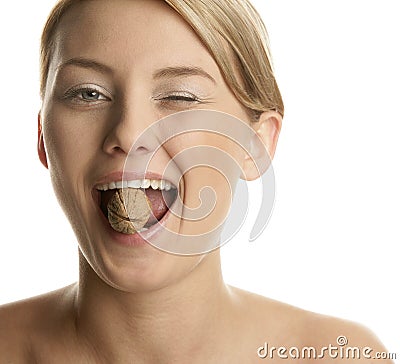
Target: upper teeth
{"x": 155, "y": 184}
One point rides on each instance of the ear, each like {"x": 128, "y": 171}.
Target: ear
{"x": 40, "y": 145}
{"x": 262, "y": 145}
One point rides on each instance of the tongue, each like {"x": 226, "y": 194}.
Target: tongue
{"x": 159, "y": 206}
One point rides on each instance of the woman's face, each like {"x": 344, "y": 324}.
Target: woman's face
{"x": 117, "y": 68}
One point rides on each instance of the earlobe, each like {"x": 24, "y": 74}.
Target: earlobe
{"x": 40, "y": 145}
{"x": 263, "y": 145}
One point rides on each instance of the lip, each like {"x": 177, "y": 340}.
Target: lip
{"x": 138, "y": 239}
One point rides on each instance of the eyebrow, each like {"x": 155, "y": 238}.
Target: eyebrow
{"x": 86, "y": 63}
{"x": 167, "y": 72}
{"x": 181, "y": 71}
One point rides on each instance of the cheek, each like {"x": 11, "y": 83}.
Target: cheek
{"x": 205, "y": 146}
{"x": 212, "y": 167}
{"x": 71, "y": 145}
{"x": 70, "y": 141}
{"x": 208, "y": 195}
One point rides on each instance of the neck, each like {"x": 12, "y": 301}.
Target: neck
{"x": 170, "y": 324}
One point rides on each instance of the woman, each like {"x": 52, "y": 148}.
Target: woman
{"x": 110, "y": 69}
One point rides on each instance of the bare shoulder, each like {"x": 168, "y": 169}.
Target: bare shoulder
{"x": 279, "y": 325}
{"x": 352, "y": 340}
{"x": 23, "y": 321}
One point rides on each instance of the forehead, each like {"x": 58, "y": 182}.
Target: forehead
{"x": 146, "y": 33}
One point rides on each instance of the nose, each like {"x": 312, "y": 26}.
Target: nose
{"x": 130, "y": 129}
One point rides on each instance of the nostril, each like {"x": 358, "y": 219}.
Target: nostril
{"x": 118, "y": 149}
{"x": 141, "y": 150}
{"x": 137, "y": 151}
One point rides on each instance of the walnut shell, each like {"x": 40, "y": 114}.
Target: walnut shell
{"x": 128, "y": 210}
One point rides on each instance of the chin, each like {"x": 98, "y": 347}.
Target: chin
{"x": 147, "y": 271}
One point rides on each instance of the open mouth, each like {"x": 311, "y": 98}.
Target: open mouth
{"x": 160, "y": 195}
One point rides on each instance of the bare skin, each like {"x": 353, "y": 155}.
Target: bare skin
{"x": 138, "y": 304}
{"x": 47, "y": 329}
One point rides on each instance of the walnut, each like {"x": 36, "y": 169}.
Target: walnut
{"x": 128, "y": 210}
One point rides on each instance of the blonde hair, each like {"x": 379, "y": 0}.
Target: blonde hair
{"x": 218, "y": 23}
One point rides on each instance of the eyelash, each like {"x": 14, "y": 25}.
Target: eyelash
{"x": 178, "y": 97}
{"x": 76, "y": 94}
{"x": 73, "y": 94}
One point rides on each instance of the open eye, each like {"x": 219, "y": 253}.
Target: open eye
{"x": 89, "y": 94}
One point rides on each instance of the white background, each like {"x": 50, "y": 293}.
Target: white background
{"x": 331, "y": 245}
